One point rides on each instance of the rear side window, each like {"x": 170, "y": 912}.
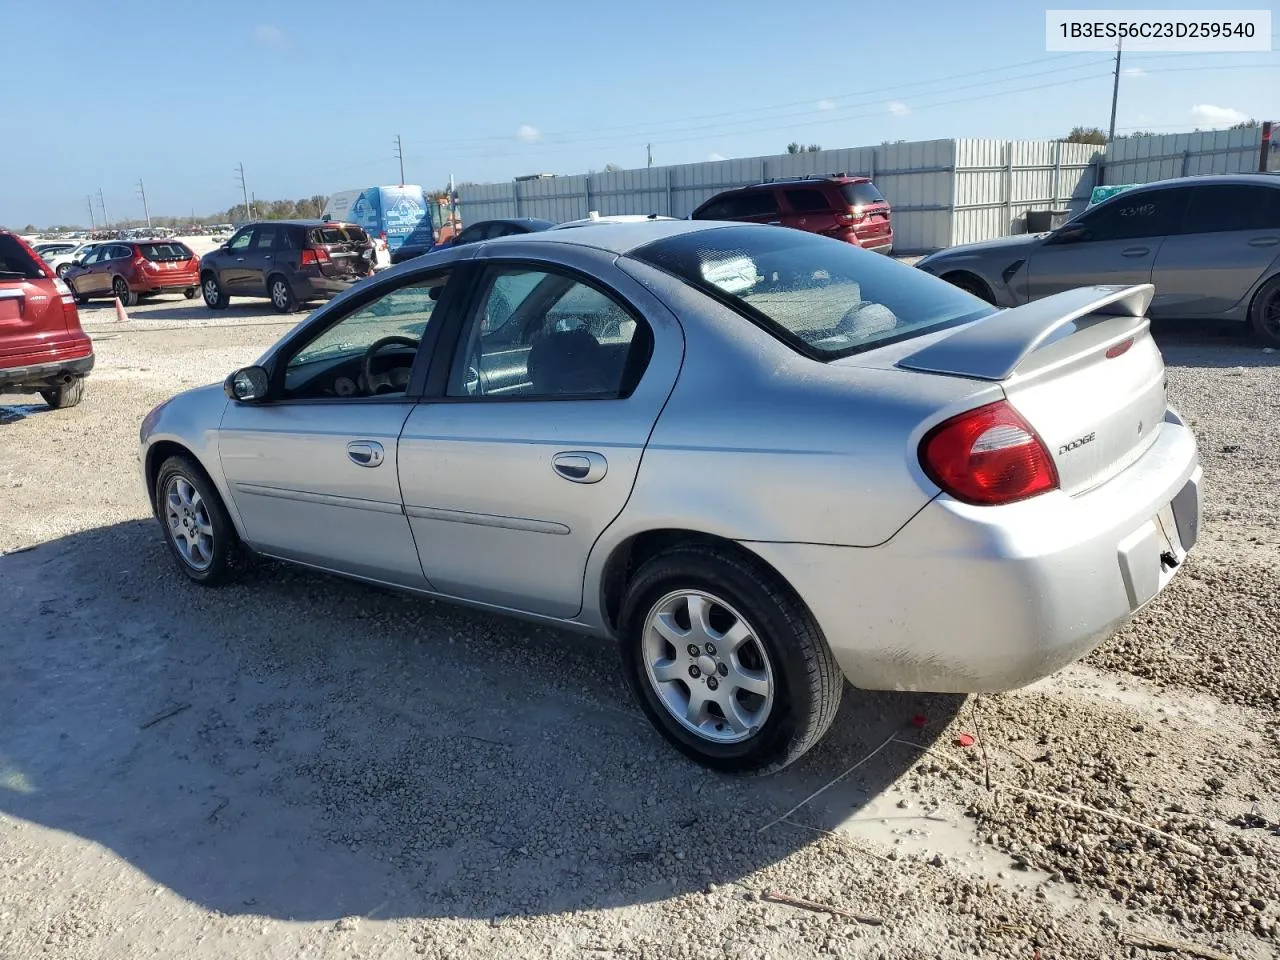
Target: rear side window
{"x": 861, "y": 194}
{"x": 15, "y": 262}
{"x": 824, "y": 299}
{"x": 807, "y": 201}
{"x": 735, "y": 206}
{"x": 1219, "y": 208}
{"x": 165, "y": 251}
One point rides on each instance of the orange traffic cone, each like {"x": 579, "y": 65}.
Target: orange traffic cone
{"x": 121, "y": 316}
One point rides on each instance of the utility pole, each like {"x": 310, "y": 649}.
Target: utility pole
{"x": 146, "y": 211}
{"x": 1115, "y": 94}
{"x": 244, "y": 192}
{"x": 648, "y": 148}
{"x": 103, "y": 205}
{"x": 400, "y": 156}
{"x": 93, "y": 226}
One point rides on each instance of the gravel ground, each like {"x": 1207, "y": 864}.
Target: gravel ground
{"x": 299, "y": 766}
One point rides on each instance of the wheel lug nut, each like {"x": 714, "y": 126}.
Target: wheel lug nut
{"x": 712, "y": 683}
{"x": 711, "y": 649}
{"x": 722, "y": 669}
{"x": 693, "y": 650}
{"x": 694, "y": 671}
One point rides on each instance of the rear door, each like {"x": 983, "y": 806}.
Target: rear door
{"x": 509, "y": 482}
{"x": 1119, "y": 243}
{"x": 1230, "y": 238}
{"x": 807, "y": 209}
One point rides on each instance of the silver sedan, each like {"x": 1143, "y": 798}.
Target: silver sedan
{"x": 1210, "y": 245}
{"x": 765, "y": 461}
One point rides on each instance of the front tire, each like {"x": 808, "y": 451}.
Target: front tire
{"x": 215, "y": 298}
{"x": 726, "y": 661}
{"x": 281, "y": 295}
{"x": 1265, "y": 313}
{"x": 120, "y": 289}
{"x": 971, "y": 284}
{"x": 197, "y": 528}
{"x": 62, "y": 270}
{"x": 67, "y": 395}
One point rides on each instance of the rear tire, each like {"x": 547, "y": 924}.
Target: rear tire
{"x": 215, "y": 297}
{"x": 760, "y": 656}
{"x": 62, "y": 270}
{"x": 1264, "y": 315}
{"x": 80, "y": 297}
{"x": 189, "y": 293}
{"x": 281, "y": 295}
{"x": 971, "y": 284}
{"x": 197, "y": 528}
{"x": 67, "y": 395}
{"x": 120, "y": 289}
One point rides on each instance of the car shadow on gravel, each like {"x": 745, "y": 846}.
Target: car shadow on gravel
{"x": 1211, "y": 343}
{"x": 11, "y": 410}
{"x": 188, "y": 310}
{"x": 304, "y": 747}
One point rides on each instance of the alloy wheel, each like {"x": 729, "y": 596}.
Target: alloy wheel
{"x": 707, "y": 666}
{"x": 280, "y": 295}
{"x": 211, "y": 290}
{"x": 120, "y": 288}
{"x": 188, "y": 522}
{"x": 1270, "y": 314}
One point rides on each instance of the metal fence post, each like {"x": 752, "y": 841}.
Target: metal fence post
{"x": 1008, "y": 187}
{"x": 871, "y": 166}
{"x": 1057, "y": 171}
{"x": 1186, "y": 162}
{"x": 586, "y": 189}
{"x": 515, "y": 196}
{"x": 670, "y": 173}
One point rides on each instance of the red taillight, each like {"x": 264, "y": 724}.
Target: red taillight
{"x": 845, "y": 218}
{"x": 988, "y": 456}
{"x": 313, "y": 255}
{"x": 1120, "y": 348}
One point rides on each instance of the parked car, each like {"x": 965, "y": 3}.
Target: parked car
{"x": 133, "y": 269}
{"x": 1209, "y": 244}
{"x": 42, "y": 347}
{"x": 61, "y": 262}
{"x": 615, "y": 450}
{"x": 50, "y": 248}
{"x": 595, "y": 219}
{"x": 420, "y": 242}
{"x": 847, "y": 208}
{"x": 290, "y": 262}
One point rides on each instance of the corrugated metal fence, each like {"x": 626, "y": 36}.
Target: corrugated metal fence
{"x": 943, "y": 192}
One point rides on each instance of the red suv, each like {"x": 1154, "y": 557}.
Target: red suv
{"x": 42, "y": 348}
{"x": 130, "y": 269}
{"x": 847, "y": 208}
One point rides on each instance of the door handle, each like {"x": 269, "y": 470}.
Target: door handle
{"x": 774, "y": 223}
{"x": 1135, "y": 251}
{"x": 239, "y": 259}
{"x": 267, "y": 257}
{"x": 580, "y": 466}
{"x": 1264, "y": 241}
{"x": 365, "y": 453}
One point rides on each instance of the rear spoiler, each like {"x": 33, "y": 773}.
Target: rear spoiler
{"x": 993, "y": 348}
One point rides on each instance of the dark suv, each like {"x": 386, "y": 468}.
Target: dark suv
{"x": 287, "y": 261}
{"x": 847, "y": 208}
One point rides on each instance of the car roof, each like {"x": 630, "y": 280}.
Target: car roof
{"x": 1231, "y": 179}
{"x": 622, "y": 238}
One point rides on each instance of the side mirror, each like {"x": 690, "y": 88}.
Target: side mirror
{"x": 247, "y": 384}
{"x": 77, "y": 263}
{"x": 1071, "y": 233}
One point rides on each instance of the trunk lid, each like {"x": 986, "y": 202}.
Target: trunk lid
{"x": 1080, "y": 367}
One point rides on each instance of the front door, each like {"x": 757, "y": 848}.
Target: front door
{"x": 313, "y": 470}
{"x": 511, "y": 477}
{"x": 231, "y": 262}
{"x": 259, "y": 259}
{"x": 1230, "y": 237}
{"x": 1117, "y": 243}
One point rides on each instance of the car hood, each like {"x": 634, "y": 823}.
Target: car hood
{"x": 972, "y": 251}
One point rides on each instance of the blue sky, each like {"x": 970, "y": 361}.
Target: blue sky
{"x": 309, "y": 96}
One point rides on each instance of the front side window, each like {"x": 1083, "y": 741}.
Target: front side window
{"x": 541, "y": 335}
{"x": 1136, "y": 216}
{"x": 822, "y": 298}
{"x": 240, "y": 242}
{"x": 371, "y": 350}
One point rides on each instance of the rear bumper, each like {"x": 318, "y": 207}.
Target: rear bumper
{"x": 47, "y": 373}
{"x": 981, "y": 599}
{"x": 319, "y": 287}
{"x": 168, "y": 285}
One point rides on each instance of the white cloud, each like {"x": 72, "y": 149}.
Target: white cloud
{"x": 270, "y": 38}
{"x": 716, "y": 156}
{"x": 898, "y": 108}
{"x": 529, "y": 134}
{"x": 826, "y": 104}
{"x": 1134, "y": 72}
{"x": 1207, "y": 115}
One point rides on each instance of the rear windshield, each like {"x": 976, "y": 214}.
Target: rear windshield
{"x": 861, "y": 194}
{"x": 824, "y": 298}
{"x": 339, "y": 233}
{"x": 15, "y": 262}
{"x": 165, "y": 251}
